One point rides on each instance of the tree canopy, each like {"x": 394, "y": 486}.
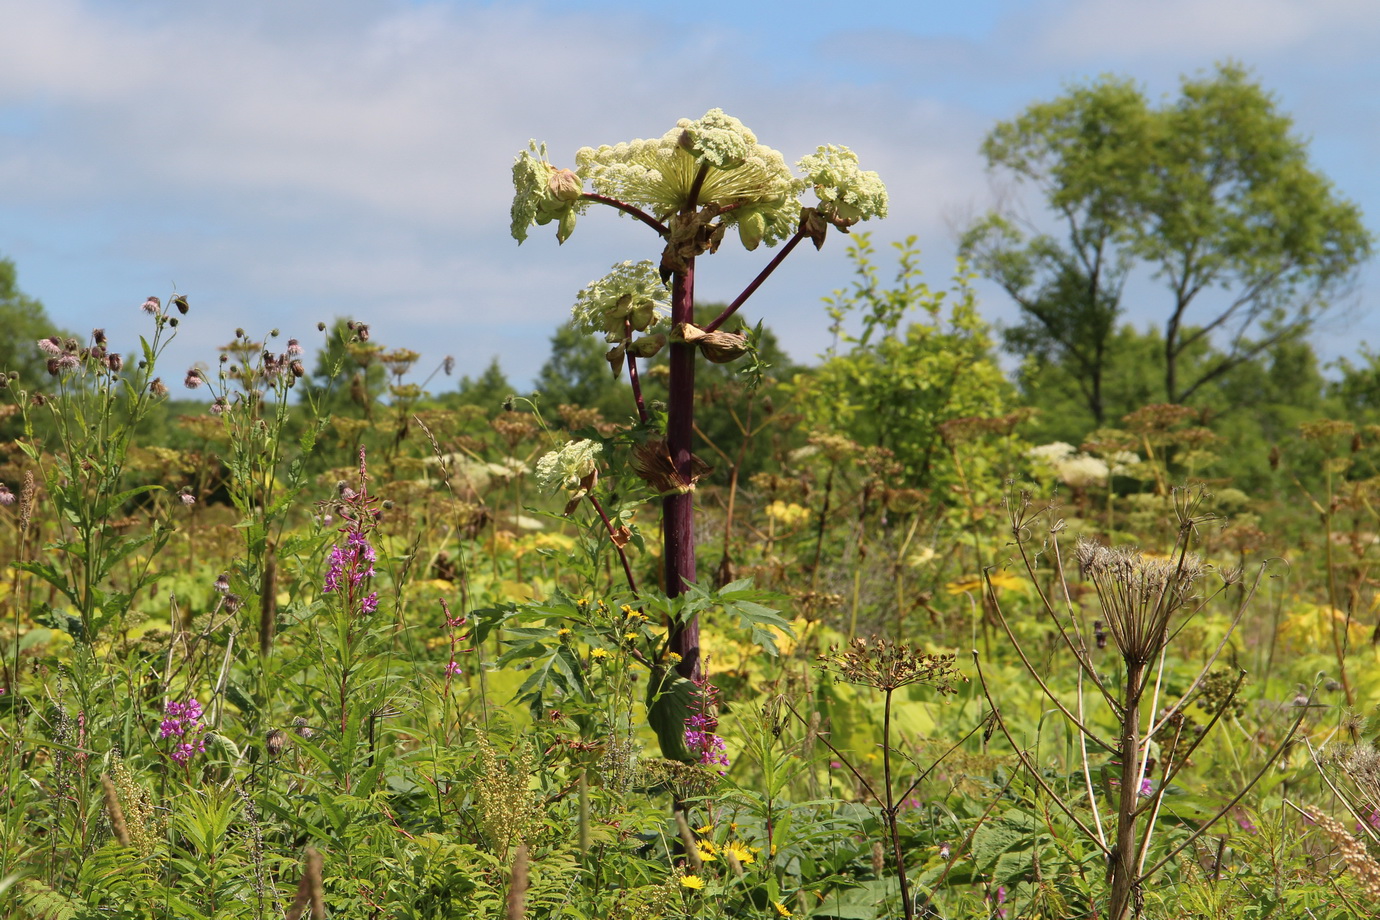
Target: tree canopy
{"x": 25, "y": 323}
{"x": 1211, "y": 193}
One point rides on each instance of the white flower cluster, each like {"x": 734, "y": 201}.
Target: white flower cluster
{"x": 1079, "y": 470}
{"x": 749, "y": 178}
{"x": 568, "y": 467}
{"x": 631, "y": 293}
{"x": 747, "y": 185}
{"x": 846, "y": 193}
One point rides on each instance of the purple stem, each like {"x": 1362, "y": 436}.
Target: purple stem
{"x": 632, "y": 375}
{"x": 629, "y": 209}
{"x": 678, "y": 510}
{"x": 756, "y": 282}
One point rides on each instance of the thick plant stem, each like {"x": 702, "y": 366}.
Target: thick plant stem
{"x": 1124, "y": 863}
{"x": 678, "y": 509}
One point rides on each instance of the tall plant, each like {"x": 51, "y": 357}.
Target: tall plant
{"x": 690, "y": 186}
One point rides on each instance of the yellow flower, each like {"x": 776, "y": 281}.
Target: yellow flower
{"x": 788, "y": 514}
{"x": 562, "y": 632}
{"x": 707, "y": 851}
{"x": 691, "y": 881}
{"x": 781, "y": 909}
{"x": 741, "y": 851}
{"x": 599, "y": 653}
{"x": 630, "y": 636}
{"x": 704, "y": 830}
{"x": 672, "y": 658}
{"x": 1001, "y": 581}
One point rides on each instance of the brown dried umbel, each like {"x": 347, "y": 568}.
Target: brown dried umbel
{"x": 1139, "y": 594}
{"x": 886, "y": 665}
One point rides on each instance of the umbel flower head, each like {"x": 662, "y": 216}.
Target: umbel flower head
{"x": 571, "y": 468}
{"x": 886, "y": 665}
{"x": 544, "y": 193}
{"x": 1139, "y": 593}
{"x": 846, "y": 193}
{"x": 747, "y": 182}
{"x": 630, "y": 295}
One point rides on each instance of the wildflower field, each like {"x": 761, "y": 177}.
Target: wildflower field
{"x": 852, "y": 641}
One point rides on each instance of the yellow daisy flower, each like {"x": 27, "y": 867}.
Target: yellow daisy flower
{"x": 693, "y": 882}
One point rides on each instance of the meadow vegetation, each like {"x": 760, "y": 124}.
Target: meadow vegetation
{"x": 712, "y": 635}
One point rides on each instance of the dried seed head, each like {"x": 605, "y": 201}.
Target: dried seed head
{"x": 1138, "y": 594}
{"x": 886, "y": 665}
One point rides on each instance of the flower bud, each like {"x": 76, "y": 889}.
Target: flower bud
{"x": 647, "y": 345}
{"x": 566, "y": 226}
{"x": 614, "y": 357}
{"x": 565, "y": 185}
{"x": 723, "y": 347}
{"x": 751, "y": 228}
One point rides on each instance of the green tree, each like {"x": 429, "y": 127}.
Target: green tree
{"x": 577, "y": 374}
{"x": 1075, "y": 150}
{"x": 908, "y": 370}
{"x": 25, "y": 323}
{"x": 486, "y": 391}
{"x": 1212, "y": 193}
{"x": 348, "y": 378}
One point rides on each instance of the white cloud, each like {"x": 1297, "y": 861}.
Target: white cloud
{"x": 1206, "y": 29}
{"x": 292, "y": 162}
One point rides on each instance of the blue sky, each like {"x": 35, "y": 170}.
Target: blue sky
{"x": 288, "y": 162}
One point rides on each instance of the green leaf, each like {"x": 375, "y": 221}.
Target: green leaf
{"x": 670, "y": 701}
{"x": 39, "y": 902}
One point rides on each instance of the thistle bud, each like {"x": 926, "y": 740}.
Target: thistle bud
{"x": 180, "y": 301}
{"x": 565, "y": 185}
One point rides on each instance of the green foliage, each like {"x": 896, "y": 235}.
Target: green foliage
{"x": 25, "y": 322}
{"x": 909, "y": 369}
{"x": 1210, "y": 192}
